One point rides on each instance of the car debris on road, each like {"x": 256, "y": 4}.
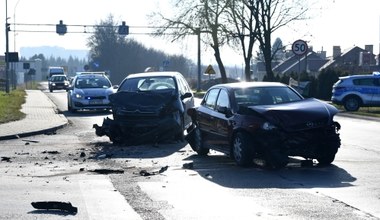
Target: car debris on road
{"x": 55, "y": 205}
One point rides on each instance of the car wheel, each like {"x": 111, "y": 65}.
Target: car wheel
{"x": 352, "y": 103}
{"x": 115, "y": 135}
{"x": 70, "y": 109}
{"x": 196, "y": 142}
{"x": 327, "y": 154}
{"x": 242, "y": 149}
{"x": 51, "y": 90}
{"x": 276, "y": 159}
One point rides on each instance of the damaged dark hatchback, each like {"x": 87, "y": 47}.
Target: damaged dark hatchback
{"x": 149, "y": 108}
{"x": 264, "y": 120}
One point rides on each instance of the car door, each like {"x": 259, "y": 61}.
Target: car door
{"x": 206, "y": 117}
{"x": 376, "y": 95}
{"x": 222, "y": 123}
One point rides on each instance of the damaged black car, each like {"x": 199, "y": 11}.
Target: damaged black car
{"x": 149, "y": 107}
{"x": 266, "y": 120}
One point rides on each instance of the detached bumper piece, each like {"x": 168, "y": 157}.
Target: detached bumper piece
{"x": 53, "y": 205}
{"x": 135, "y": 134}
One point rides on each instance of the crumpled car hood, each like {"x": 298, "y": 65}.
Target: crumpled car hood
{"x": 301, "y": 115}
{"x": 141, "y": 102}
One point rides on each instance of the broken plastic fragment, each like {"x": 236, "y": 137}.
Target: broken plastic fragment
{"x": 53, "y": 205}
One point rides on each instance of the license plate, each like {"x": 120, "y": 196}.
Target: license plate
{"x": 96, "y": 102}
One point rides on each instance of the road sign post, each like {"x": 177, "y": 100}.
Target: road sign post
{"x": 299, "y": 48}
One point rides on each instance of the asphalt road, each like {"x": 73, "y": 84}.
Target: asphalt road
{"x": 170, "y": 181}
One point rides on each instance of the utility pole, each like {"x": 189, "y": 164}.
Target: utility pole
{"x": 198, "y": 30}
{"x": 6, "y": 48}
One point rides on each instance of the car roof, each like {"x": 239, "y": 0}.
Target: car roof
{"x": 153, "y": 74}
{"x": 236, "y": 85}
{"x": 360, "y": 76}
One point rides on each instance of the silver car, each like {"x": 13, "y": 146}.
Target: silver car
{"x": 357, "y": 90}
{"x": 89, "y": 91}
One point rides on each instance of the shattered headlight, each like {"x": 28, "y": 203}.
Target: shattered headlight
{"x": 267, "y": 126}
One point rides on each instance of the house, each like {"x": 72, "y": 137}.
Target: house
{"x": 354, "y": 60}
{"x": 310, "y": 63}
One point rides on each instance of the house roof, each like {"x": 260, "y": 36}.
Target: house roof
{"x": 311, "y": 62}
{"x": 349, "y": 55}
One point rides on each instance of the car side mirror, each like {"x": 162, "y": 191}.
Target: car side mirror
{"x": 224, "y": 110}
{"x": 115, "y": 86}
{"x": 186, "y": 95}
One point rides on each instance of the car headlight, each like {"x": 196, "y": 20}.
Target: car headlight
{"x": 268, "y": 126}
{"x": 78, "y": 96}
{"x": 53, "y": 84}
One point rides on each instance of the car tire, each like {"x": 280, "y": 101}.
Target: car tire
{"x": 242, "y": 149}
{"x": 70, "y": 109}
{"x": 327, "y": 154}
{"x": 196, "y": 142}
{"x": 51, "y": 90}
{"x": 275, "y": 159}
{"x": 115, "y": 135}
{"x": 352, "y": 103}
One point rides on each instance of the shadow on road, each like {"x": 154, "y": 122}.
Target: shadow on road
{"x": 222, "y": 170}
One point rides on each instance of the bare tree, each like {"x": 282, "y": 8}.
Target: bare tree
{"x": 272, "y": 15}
{"x": 245, "y": 30}
{"x": 206, "y": 16}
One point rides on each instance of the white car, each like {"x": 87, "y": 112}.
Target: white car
{"x": 90, "y": 91}
{"x": 357, "y": 90}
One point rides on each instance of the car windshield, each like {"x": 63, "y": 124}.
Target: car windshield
{"x": 58, "y": 78}
{"x": 99, "y": 82}
{"x": 265, "y": 96}
{"x": 147, "y": 84}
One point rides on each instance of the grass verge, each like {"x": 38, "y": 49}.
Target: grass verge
{"x": 364, "y": 111}
{"x": 10, "y": 105}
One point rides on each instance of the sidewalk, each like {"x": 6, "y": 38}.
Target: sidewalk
{"x": 41, "y": 116}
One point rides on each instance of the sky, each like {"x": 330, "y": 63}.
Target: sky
{"x": 343, "y": 23}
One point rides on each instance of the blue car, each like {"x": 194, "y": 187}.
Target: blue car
{"x": 90, "y": 91}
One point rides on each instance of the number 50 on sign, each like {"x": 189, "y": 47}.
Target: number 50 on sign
{"x": 299, "y": 47}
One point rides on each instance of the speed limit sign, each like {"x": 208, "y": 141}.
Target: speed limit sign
{"x": 299, "y": 47}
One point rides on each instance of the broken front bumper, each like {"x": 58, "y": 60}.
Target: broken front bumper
{"x": 138, "y": 133}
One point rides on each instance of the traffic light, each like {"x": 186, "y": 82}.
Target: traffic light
{"x": 61, "y": 28}
{"x": 123, "y": 29}
{"x": 8, "y": 28}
